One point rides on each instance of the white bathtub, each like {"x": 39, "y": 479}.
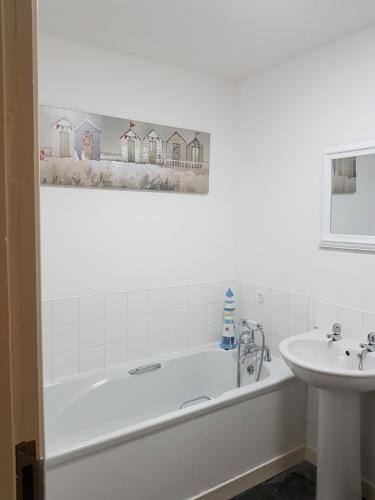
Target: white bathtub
{"x": 112, "y": 436}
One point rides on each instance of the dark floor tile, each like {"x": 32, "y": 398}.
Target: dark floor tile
{"x": 297, "y": 483}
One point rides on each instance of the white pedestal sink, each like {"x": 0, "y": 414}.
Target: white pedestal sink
{"x": 333, "y": 367}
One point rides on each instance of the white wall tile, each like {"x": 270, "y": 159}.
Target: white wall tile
{"x": 368, "y": 324}
{"x": 138, "y": 325}
{"x": 159, "y": 299}
{"x": 177, "y": 340}
{"x": 91, "y": 334}
{"x": 65, "y": 364}
{"x": 196, "y": 336}
{"x": 275, "y": 342}
{"x": 245, "y": 311}
{"x": 115, "y": 329}
{"x": 279, "y": 324}
{"x": 214, "y": 313}
{"x": 116, "y": 353}
{"x": 178, "y": 320}
{"x": 299, "y": 306}
{"x": 159, "y": 322}
{"x": 47, "y": 341}
{"x": 214, "y": 293}
{"x": 247, "y": 293}
{"x": 91, "y": 308}
{"x": 65, "y": 311}
{"x": 115, "y": 304}
{"x": 47, "y": 368}
{"x": 126, "y": 301}
{"x": 297, "y": 326}
{"x": 351, "y": 322}
{"x": 324, "y": 315}
{"x": 213, "y": 333}
{"x": 139, "y": 302}
{"x": 65, "y": 338}
{"x": 92, "y": 358}
{"x": 159, "y": 344}
{"x": 46, "y": 313}
{"x": 138, "y": 349}
{"x": 279, "y": 301}
{"x": 262, "y": 316}
{"x": 197, "y": 295}
{"x": 179, "y": 297}
{"x": 197, "y": 316}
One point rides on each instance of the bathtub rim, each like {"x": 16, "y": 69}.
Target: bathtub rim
{"x": 276, "y": 380}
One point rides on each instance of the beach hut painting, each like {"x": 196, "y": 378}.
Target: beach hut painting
{"x": 80, "y": 149}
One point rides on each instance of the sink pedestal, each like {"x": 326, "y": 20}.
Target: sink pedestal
{"x": 339, "y": 462}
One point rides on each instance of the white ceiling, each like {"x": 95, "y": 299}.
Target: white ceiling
{"x": 228, "y": 38}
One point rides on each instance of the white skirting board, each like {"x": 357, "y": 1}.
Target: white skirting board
{"x": 253, "y": 477}
{"x": 265, "y": 471}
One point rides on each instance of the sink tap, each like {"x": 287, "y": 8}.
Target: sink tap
{"x": 369, "y": 347}
{"x": 336, "y": 333}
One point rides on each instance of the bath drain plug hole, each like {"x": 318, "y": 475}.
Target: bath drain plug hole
{"x": 250, "y": 369}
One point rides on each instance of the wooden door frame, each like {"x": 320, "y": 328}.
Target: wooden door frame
{"x": 20, "y": 337}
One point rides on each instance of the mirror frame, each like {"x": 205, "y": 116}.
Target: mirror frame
{"x": 341, "y": 241}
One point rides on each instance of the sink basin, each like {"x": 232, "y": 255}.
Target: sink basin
{"x": 333, "y": 367}
{"x": 328, "y": 364}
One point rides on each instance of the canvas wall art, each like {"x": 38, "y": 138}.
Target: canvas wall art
{"x": 90, "y": 150}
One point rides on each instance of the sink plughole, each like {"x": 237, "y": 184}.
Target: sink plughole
{"x": 333, "y": 367}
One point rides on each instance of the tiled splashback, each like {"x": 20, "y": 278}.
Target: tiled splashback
{"x": 90, "y": 332}
{"x": 355, "y": 323}
{"x": 281, "y": 312}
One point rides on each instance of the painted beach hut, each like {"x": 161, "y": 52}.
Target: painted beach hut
{"x": 152, "y": 148}
{"x": 130, "y": 146}
{"x": 87, "y": 141}
{"x": 194, "y": 151}
{"x": 175, "y": 149}
{"x": 62, "y": 142}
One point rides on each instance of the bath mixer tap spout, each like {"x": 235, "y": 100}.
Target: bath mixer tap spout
{"x": 246, "y": 346}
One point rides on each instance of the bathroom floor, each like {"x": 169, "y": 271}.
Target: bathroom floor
{"x": 297, "y": 483}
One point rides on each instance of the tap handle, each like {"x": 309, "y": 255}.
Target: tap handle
{"x": 336, "y": 328}
{"x": 250, "y": 324}
{"x": 371, "y": 338}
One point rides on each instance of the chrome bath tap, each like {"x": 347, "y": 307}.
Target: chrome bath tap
{"x": 366, "y": 348}
{"x": 246, "y": 346}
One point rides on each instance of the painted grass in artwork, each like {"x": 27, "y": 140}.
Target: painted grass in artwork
{"x": 120, "y": 175}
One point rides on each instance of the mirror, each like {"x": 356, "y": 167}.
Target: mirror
{"x": 348, "y": 197}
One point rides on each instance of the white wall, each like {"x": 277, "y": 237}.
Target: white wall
{"x": 96, "y": 240}
{"x": 289, "y": 115}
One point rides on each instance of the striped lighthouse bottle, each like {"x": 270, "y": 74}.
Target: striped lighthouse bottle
{"x": 228, "y": 338}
